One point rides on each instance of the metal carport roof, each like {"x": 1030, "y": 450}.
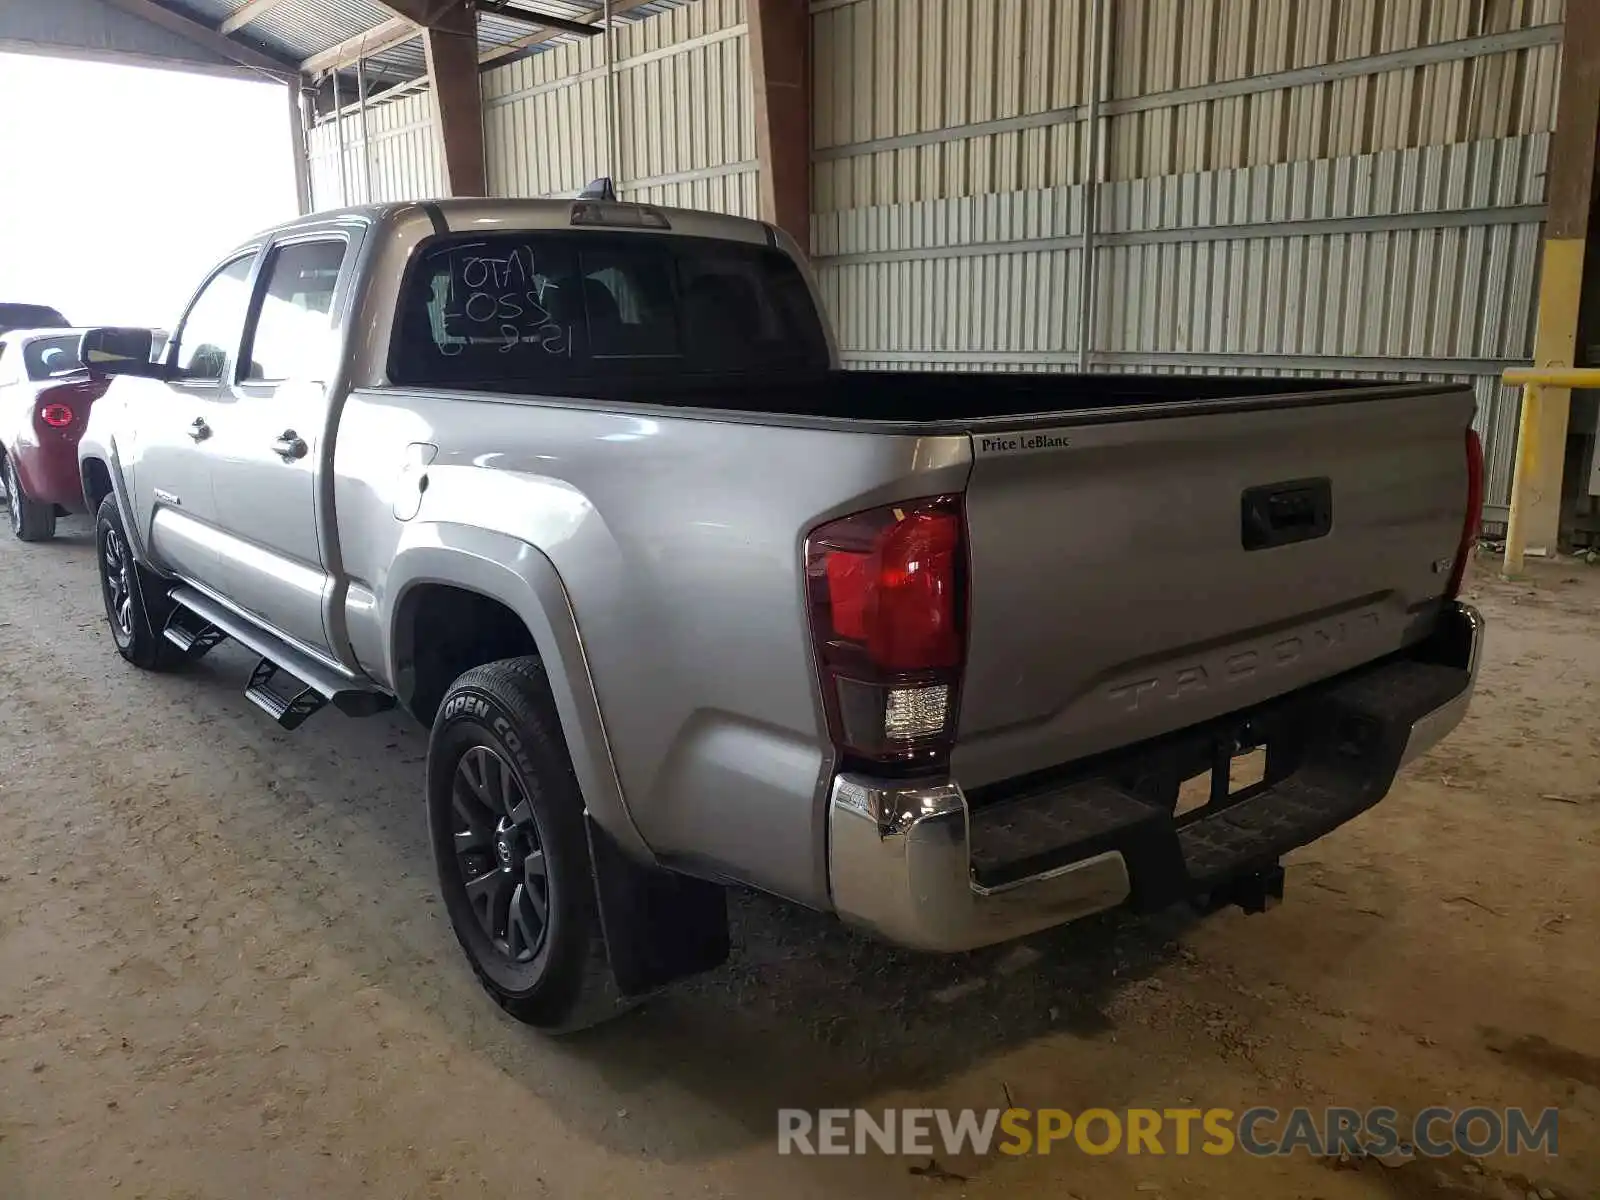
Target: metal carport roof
{"x": 285, "y": 38}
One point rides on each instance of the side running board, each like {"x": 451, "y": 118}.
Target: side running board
{"x": 207, "y": 622}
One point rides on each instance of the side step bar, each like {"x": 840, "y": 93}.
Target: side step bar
{"x": 192, "y": 634}
{"x": 288, "y": 710}
{"x": 321, "y": 684}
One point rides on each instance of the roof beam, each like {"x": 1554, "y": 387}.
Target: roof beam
{"x": 205, "y": 37}
{"x": 411, "y": 17}
{"x": 511, "y": 51}
{"x": 453, "y": 16}
{"x": 245, "y": 15}
{"x": 375, "y": 41}
{"x": 528, "y": 16}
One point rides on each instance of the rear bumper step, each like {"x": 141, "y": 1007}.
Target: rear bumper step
{"x": 926, "y": 866}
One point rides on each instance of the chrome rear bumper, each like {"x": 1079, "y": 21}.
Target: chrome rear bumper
{"x": 900, "y": 867}
{"x": 1430, "y": 729}
{"x": 900, "y": 853}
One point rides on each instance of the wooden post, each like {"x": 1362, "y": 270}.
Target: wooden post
{"x": 452, "y": 52}
{"x": 780, "y": 37}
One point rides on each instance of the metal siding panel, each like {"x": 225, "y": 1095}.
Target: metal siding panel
{"x": 1450, "y": 134}
{"x": 685, "y": 130}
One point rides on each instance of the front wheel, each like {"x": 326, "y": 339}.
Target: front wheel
{"x": 135, "y": 608}
{"x": 505, "y": 817}
{"x": 31, "y": 521}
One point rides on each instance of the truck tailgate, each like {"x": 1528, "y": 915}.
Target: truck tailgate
{"x": 1137, "y": 572}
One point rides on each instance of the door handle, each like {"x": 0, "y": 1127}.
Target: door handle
{"x": 289, "y": 446}
{"x": 199, "y": 431}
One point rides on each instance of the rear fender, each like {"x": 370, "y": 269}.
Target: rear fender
{"x": 519, "y": 576}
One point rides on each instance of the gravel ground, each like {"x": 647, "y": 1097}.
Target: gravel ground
{"x": 223, "y": 971}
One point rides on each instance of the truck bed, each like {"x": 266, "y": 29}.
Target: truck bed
{"x": 939, "y": 399}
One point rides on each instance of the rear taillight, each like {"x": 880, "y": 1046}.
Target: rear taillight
{"x": 887, "y": 593}
{"x": 1474, "y": 518}
{"x": 64, "y": 405}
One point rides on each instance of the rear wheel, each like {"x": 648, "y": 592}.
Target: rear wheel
{"x": 136, "y": 607}
{"x": 31, "y": 521}
{"x": 506, "y": 821}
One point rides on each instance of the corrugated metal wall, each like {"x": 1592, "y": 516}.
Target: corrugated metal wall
{"x": 684, "y": 130}
{"x": 403, "y": 159}
{"x": 1344, "y": 186}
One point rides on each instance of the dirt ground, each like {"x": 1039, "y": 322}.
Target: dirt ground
{"x": 223, "y": 971}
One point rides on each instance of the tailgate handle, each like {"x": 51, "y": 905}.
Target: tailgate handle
{"x": 1276, "y": 514}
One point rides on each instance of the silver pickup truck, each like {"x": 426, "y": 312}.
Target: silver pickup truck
{"x": 581, "y": 486}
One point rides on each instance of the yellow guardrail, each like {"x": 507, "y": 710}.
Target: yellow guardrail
{"x": 1533, "y": 381}
{"x": 1563, "y": 377}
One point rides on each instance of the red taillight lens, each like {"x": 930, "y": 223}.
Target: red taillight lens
{"x": 912, "y": 624}
{"x": 1473, "y": 521}
{"x": 66, "y": 404}
{"x": 886, "y": 590}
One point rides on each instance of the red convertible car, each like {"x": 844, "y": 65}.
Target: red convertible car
{"x": 45, "y": 396}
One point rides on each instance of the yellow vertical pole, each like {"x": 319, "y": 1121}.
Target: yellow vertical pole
{"x": 1527, "y": 466}
{"x": 1542, "y": 429}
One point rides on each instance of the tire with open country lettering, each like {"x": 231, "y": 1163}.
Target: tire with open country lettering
{"x": 505, "y": 818}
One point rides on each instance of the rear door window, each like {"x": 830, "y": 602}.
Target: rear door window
{"x": 293, "y": 333}
{"x": 546, "y": 311}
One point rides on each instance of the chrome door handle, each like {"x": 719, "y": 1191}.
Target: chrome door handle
{"x": 289, "y": 446}
{"x": 199, "y": 431}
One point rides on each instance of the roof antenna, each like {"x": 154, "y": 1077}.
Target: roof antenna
{"x": 599, "y": 189}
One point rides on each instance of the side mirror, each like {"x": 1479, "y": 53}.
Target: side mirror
{"x": 119, "y": 351}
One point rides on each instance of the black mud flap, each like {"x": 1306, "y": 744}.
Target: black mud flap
{"x": 660, "y": 926}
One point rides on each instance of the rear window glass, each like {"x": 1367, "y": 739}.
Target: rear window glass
{"x": 546, "y": 311}
{"x": 52, "y": 356}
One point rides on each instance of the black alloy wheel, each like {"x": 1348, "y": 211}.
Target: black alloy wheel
{"x": 116, "y": 584}
{"x": 506, "y": 820}
{"x": 500, "y": 852}
{"x": 136, "y": 601}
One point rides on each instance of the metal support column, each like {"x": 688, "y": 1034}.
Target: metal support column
{"x": 613, "y": 141}
{"x": 366, "y": 140}
{"x": 301, "y": 148}
{"x": 1094, "y": 157}
{"x": 338, "y": 132}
